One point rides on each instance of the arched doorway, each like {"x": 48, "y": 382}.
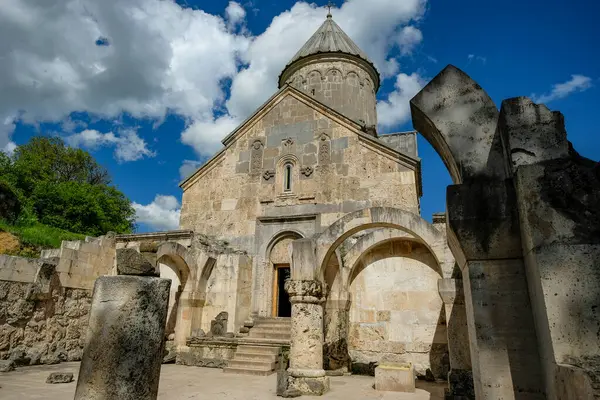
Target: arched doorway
{"x": 172, "y": 261}
{"x": 279, "y": 264}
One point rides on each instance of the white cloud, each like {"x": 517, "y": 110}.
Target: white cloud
{"x": 395, "y": 110}
{"x": 188, "y": 167}
{"x": 162, "y": 214}
{"x": 408, "y": 39}
{"x": 160, "y": 57}
{"x": 9, "y": 148}
{"x": 267, "y": 56}
{"x": 473, "y": 57}
{"x": 156, "y": 57}
{"x": 128, "y": 145}
{"x": 577, "y": 83}
{"x": 235, "y": 14}
{"x": 205, "y": 135}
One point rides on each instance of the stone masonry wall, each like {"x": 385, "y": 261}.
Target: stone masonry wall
{"x": 396, "y": 313}
{"x": 335, "y": 171}
{"x": 42, "y": 331}
{"x": 44, "y": 303}
{"x": 341, "y": 85}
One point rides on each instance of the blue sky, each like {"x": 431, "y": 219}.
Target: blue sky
{"x": 149, "y": 89}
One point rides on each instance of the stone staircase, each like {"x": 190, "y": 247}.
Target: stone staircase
{"x": 259, "y": 354}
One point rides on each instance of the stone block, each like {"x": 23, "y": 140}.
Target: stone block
{"x": 7, "y": 365}
{"x": 282, "y": 382}
{"x": 125, "y": 339}
{"x": 60, "y": 377}
{"x": 132, "y": 262}
{"x": 395, "y": 378}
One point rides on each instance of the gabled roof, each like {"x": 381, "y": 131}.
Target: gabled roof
{"x": 315, "y": 104}
{"x": 329, "y": 38}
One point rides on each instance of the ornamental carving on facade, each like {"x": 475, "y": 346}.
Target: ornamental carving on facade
{"x": 256, "y": 157}
{"x": 288, "y": 142}
{"x": 257, "y": 145}
{"x": 268, "y": 175}
{"x": 304, "y": 288}
{"x": 307, "y": 171}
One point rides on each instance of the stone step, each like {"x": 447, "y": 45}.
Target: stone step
{"x": 252, "y": 364}
{"x": 271, "y": 328}
{"x": 258, "y": 349}
{"x": 273, "y": 321}
{"x": 264, "y": 357}
{"x": 270, "y": 335}
{"x": 247, "y": 371}
{"x": 249, "y": 341}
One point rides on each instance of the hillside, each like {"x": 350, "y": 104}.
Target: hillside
{"x": 29, "y": 241}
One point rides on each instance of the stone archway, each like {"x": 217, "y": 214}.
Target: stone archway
{"x": 379, "y": 217}
{"x": 396, "y": 312}
{"x": 173, "y": 261}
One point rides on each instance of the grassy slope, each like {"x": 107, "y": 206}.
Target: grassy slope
{"x": 40, "y": 236}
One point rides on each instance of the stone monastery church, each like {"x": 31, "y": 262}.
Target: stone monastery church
{"x": 301, "y": 247}
{"x": 310, "y": 162}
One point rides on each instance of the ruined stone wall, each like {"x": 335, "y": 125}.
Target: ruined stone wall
{"x": 229, "y": 288}
{"x": 81, "y": 262}
{"x": 341, "y": 85}
{"x": 39, "y": 324}
{"x": 335, "y": 171}
{"x": 396, "y": 313}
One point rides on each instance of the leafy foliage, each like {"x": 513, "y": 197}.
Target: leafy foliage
{"x": 38, "y": 236}
{"x": 66, "y": 188}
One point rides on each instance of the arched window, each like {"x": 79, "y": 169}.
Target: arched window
{"x": 287, "y": 177}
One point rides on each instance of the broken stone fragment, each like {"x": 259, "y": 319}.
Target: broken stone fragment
{"x": 290, "y": 393}
{"x": 60, "y": 377}
{"x": 132, "y": 262}
{"x": 7, "y": 365}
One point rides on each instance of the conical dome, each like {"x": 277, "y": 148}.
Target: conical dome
{"x": 329, "y": 38}
{"x": 334, "y": 70}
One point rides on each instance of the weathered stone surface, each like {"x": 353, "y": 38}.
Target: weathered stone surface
{"x": 44, "y": 331}
{"x": 125, "y": 339}
{"x": 291, "y": 393}
{"x": 395, "y": 378}
{"x": 459, "y": 119}
{"x": 218, "y": 326}
{"x": 60, "y": 377}
{"x": 531, "y": 132}
{"x": 7, "y": 365}
{"x": 282, "y": 381}
{"x": 132, "y": 262}
{"x": 461, "y": 383}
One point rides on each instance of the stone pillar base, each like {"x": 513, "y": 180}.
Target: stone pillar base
{"x": 309, "y": 385}
{"x": 461, "y": 385}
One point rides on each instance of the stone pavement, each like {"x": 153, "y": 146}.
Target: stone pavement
{"x": 181, "y": 382}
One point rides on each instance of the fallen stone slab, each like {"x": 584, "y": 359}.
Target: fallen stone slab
{"x": 60, "y": 377}
{"x": 7, "y": 365}
{"x": 132, "y": 262}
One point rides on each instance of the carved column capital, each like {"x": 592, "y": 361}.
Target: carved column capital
{"x": 305, "y": 291}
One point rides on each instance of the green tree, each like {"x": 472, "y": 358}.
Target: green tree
{"x": 66, "y": 188}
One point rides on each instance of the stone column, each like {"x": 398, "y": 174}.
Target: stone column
{"x": 337, "y": 320}
{"x": 306, "y": 349}
{"x": 460, "y": 377}
{"x": 484, "y": 235}
{"x": 307, "y": 297}
{"x": 125, "y": 339}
